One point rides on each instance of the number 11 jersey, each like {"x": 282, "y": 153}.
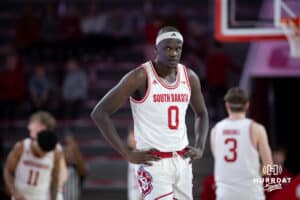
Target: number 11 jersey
{"x": 159, "y": 118}
{"x": 33, "y": 175}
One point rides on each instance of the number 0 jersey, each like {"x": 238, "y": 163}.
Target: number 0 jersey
{"x": 159, "y": 118}
{"x": 237, "y": 164}
{"x": 33, "y": 175}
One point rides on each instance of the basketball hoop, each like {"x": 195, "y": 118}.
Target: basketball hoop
{"x": 291, "y": 28}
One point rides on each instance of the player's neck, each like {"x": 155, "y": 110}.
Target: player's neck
{"x": 237, "y": 116}
{"x": 163, "y": 70}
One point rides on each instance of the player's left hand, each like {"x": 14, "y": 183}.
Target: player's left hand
{"x": 193, "y": 153}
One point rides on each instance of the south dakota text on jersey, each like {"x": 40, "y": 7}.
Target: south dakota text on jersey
{"x": 161, "y": 98}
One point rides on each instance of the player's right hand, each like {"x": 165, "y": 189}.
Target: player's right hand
{"x": 18, "y": 196}
{"x": 141, "y": 157}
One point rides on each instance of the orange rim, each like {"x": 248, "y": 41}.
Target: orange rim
{"x": 290, "y": 20}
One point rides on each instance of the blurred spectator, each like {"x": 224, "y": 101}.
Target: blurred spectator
{"x": 217, "y": 68}
{"x": 193, "y": 61}
{"x": 48, "y": 45}
{"x": 74, "y": 89}
{"x": 70, "y": 32}
{"x": 39, "y": 89}
{"x": 27, "y": 29}
{"x": 94, "y": 22}
{"x": 12, "y": 85}
{"x": 117, "y": 22}
{"x": 69, "y": 24}
{"x": 93, "y": 25}
{"x": 208, "y": 188}
{"x": 290, "y": 192}
{"x": 133, "y": 191}
{"x": 151, "y": 29}
{"x": 197, "y": 40}
{"x": 76, "y": 169}
{"x": 279, "y": 156}
{"x": 49, "y": 23}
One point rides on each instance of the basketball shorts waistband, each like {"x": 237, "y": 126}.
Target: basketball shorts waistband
{"x": 169, "y": 154}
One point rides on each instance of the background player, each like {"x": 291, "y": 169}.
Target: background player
{"x": 237, "y": 144}
{"x": 32, "y": 168}
{"x": 40, "y": 121}
{"x": 160, "y": 92}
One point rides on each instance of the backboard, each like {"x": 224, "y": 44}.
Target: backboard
{"x": 248, "y": 20}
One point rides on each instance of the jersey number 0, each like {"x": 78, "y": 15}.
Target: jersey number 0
{"x": 173, "y": 117}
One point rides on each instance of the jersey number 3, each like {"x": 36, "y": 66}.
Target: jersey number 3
{"x": 33, "y": 177}
{"x": 231, "y": 156}
{"x": 173, "y": 117}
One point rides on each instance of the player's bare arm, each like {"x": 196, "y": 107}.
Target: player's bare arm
{"x": 55, "y": 174}
{"x": 78, "y": 159}
{"x": 201, "y": 117}
{"x": 9, "y": 170}
{"x": 132, "y": 82}
{"x": 212, "y": 140}
{"x": 262, "y": 143}
{"x": 63, "y": 171}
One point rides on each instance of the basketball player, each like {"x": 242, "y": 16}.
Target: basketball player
{"x": 159, "y": 92}
{"x": 42, "y": 120}
{"x": 32, "y": 168}
{"x": 237, "y": 144}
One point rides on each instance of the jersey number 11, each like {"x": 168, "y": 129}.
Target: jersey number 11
{"x": 33, "y": 177}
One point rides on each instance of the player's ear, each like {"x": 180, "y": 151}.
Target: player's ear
{"x": 227, "y": 106}
{"x": 247, "y": 106}
{"x": 155, "y": 49}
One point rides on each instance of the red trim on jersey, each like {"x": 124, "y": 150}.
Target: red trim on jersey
{"x": 148, "y": 88}
{"x": 162, "y": 196}
{"x": 168, "y": 154}
{"x": 187, "y": 77}
{"x": 165, "y": 85}
{"x": 251, "y": 134}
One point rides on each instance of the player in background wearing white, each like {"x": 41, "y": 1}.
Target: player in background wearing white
{"x": 160, "y": 92}
{"x": 43, "y": 120}
{"x": 32, "y": 168}
{"x": 238, "y": 143}
{"x": 132, "y": 183}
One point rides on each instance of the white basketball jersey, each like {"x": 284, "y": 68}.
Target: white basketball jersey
{"x": 159, "y": 118}
{"x": 33, "y": 175}
{"x": 236, "y": 161}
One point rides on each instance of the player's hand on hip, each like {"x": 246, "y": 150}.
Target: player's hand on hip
{"x": 193, "y": 153}
{"x": 142, "y": 157}
{"x": 18, "y": 196}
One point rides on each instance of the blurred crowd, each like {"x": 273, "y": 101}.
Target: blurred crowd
{"x": 43, "y": 66}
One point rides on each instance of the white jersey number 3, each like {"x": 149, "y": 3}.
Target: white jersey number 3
{"x": 173, "y": 117}
{"x": 232, "y": 148}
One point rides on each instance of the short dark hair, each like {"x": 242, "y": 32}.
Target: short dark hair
{"x": 47, "y": 140}
{"x": 237, "y": 98}
{"x": 166, "y": 29}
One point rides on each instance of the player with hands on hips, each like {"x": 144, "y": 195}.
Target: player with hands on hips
{"x": 160, "y": 92}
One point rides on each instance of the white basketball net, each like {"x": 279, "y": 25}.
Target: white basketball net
{"x": 291, "y": 28}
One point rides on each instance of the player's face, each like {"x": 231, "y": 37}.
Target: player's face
{"x": 35, "y": 127}
{"x": 169, "y": 52}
